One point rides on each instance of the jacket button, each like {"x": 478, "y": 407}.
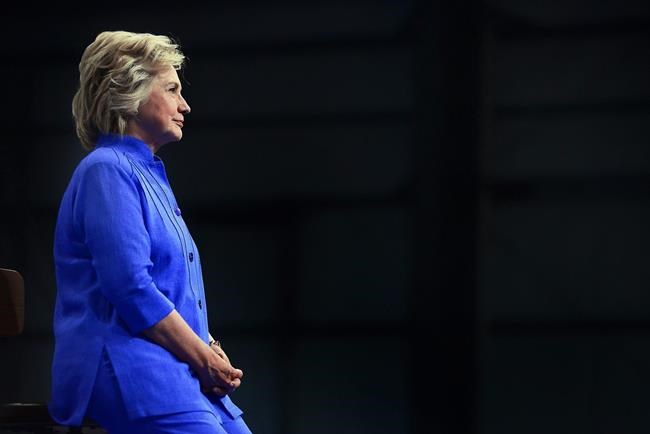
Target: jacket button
{"x": 200, "y": 305}
{"x": 191, "y": 256}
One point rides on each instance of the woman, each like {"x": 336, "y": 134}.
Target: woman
{"x": 132, "y": 346}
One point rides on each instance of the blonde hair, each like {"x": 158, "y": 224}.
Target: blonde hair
{"x": 115, "y": 76}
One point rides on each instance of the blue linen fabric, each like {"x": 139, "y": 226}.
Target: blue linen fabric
{"x": 124, "y": 259}
{"x": 107, "y": 407}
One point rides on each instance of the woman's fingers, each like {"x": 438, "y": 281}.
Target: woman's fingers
{"x": 222, "y": 373}
{"x": 219, "y": 376}
{"x": 222, "y": 390}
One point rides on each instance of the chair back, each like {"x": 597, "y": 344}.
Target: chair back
{"x": 12, "y": 302}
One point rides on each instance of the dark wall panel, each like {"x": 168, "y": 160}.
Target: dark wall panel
{"x": 38, "y": 275}
{"x": 565, "y": 383}
{"x": 566, "y": 259}
{"x": 241, "y": 273}
{"x": 571, "y": 70}
{"x": 354, "y": 266}
{"x": 537, "y": 385}
{"x": 572, "y": 12}
{"x": 265, "y": 373}
{"x": 564, "y": 235}
{"x": 350, "y": 379}
{"x": 337, "y": 160}
{"x": 225, "y": 25}
{"x": 53, "y": 158}
{"x": 569, "y": 144}
{"x": 620, "y": 401}
{"x": 329, "y": 82}
{"x": 26, "y": 369}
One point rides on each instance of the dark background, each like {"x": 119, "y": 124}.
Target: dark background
{"x": 413, "y": 216}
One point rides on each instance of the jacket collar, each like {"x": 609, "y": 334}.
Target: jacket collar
{"x": 127, "y": 144}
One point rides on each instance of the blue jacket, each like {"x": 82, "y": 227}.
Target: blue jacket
{"x": 124, "y": 259}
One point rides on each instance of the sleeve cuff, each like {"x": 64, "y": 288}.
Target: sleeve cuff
{"x": 145, "y": 309}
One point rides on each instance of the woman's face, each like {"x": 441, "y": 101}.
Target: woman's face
{"x": 160, "y": 118}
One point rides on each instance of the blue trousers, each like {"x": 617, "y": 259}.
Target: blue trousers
{"x": 106, "y": 407}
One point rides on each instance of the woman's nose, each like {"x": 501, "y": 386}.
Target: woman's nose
{"x": 184, "y": 107}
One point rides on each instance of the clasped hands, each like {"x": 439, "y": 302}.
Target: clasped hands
{"x": 219, "y": 377}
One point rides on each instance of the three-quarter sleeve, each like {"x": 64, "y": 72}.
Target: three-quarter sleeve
{"x": 108, "y": 212}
